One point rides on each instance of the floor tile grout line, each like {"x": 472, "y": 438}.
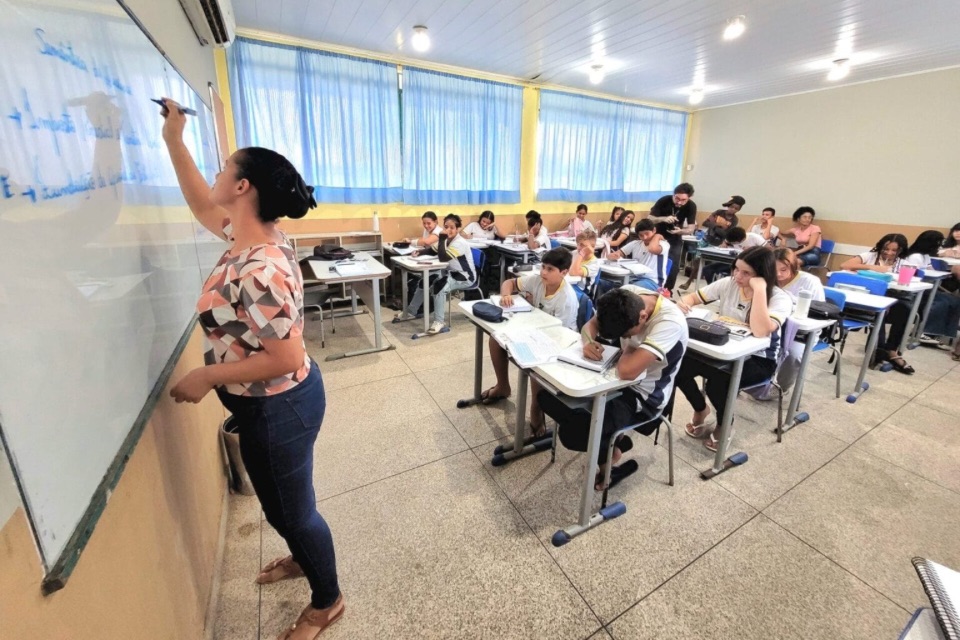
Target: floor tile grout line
{"x": 838, "y": 565}
{"x": 684, "y": 568}
{"x": 542, "y": 545}
{"x": 910, "y": 471}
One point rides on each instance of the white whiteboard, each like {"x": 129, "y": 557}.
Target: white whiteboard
{"x": 100, "y": 261}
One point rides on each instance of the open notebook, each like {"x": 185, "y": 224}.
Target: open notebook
{"x": 574, "y": 355}
{"x": 942, "y": 585}
{"x": 519, "y": 304}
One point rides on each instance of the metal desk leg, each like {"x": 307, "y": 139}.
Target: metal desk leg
{"x": 696, "y": 283}
{"x": 502, "y": 454}
{"x": 922, "y": 324}
{"x": 477, "y": 372}
{"x": 794, "y": 418}
{"x": 589, "y": 520}
{"x": 403, "y": 290}
{"x": 371, "y": 297}
{"x": 720, "y": 462}
{"x": 503, "y": 266}
{"x": 862, "y": 386}
{"x": 914, "y": 307}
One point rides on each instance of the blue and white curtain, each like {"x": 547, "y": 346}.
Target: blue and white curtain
{"x": 335, "y": 117}
{"x": 461, "y": 139}
{"x": 592, "y": 150}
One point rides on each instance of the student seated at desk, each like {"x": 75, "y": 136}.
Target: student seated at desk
{"x": 806, "y": 235}
{"x": 585, "y": 263}
{"x": 736, "y": 238}
{"x": 649, "y": 249}
{"x": 537, "y": 236}
{"x": 430, "y": 231}
{"x": 717, "y": 224}
{"x": 763, "y": 226}
{"x": 792, "y": 281}
{"x": 951, "y": 246}
{"x": 616, "y": 233}
{"x": 923, "y": 249}
{"x": 615, "y": 213}
{"x": 484, "y": 228}
{"x": 750, "y": 295}
{"x": 461, "y": 274}
{"x": 652, "y": 333}
{"x": 886, "y": 257}
{"x": 579, "y": 223}
{"x": 551, "y": 293}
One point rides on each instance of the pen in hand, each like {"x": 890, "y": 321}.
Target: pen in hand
{"x": 186, "y": 110}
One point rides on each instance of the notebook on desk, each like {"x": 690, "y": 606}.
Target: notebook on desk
{"x": 574, "y": 355}
{"x": 942, "y": 585}
{"x": 519, "y": 305}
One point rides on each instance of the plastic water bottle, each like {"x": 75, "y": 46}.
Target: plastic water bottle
{"x": 376, "y": 221}
{"x": 803, "y": 305}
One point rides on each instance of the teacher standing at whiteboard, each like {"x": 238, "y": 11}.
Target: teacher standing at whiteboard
{"x": 251, "y": 311}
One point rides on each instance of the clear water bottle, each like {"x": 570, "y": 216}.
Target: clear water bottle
{"x": 376, "y": 221}
{"x": 803, "y": 304}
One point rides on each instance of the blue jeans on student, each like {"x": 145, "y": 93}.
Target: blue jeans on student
{"x": 944, "y": 315}
{"x": 277, "y": 434}
{"x": 810, "y": 258}
{"x": 440, "y": 287}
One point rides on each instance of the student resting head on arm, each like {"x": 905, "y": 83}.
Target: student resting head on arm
{"x": 792, "y": 280}
{"x": 749, "y": 296}
{"x": 652, "y": 333}
{"x": 585, "y": 263}
{"x": 649, "y": 249}
{"x": 483, "y": 228}
{"x": 537, "y": 236}
{"x": 251, "y": 312}
{"x": 763, "y": 226}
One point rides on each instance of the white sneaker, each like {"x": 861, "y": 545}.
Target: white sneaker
{"x": 436, "y": 327}
{"x": 403, "y": 316}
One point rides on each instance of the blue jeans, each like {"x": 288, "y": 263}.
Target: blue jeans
{"x": 810, "y": 258}
{"x": 944, "y": 315}
{"x": 439, "y": 287}
{"x": 277, "y": 434}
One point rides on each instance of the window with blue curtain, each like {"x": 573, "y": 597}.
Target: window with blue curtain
{"x": 461, "y": 139}
{"x": 592, "y": 150}
{"x": 335, "y": 117}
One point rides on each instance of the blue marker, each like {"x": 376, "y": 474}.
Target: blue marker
{"x": 186, "y": 110}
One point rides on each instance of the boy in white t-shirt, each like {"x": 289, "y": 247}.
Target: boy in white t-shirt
{"x": 764, "y": 227}
{"x": 551, "y": 293}
{"x": 537, "y": 236}
{"x": 649, "y": 249}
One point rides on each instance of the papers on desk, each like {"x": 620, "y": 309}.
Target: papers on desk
{"x": 425, "y": 259}
{"x": 349, "y": 268}
{"x": 403, "y": 252}
{"x": 574, "y": 355}
{"x": 519, "y": 305}
{"x": 529, "y": 347}
{"x": 702, "y": 313}
{"x": 631, "y": 265}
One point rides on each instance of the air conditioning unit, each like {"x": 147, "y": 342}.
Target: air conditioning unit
{"x": 212, "y": 21}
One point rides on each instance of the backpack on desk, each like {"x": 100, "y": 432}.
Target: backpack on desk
{"x": 331, "y": 252}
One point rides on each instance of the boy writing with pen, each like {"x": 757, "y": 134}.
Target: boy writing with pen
{"x": 652, "y": 333}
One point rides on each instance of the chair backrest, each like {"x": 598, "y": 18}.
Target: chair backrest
{"x": 479, "y": 258}
{"x": 874, "y": 285}
{"x": 554, "y": 243}
{"x": 835, "y": 296}
{"x": 827, "y": 246}
{"x": 585, "y": 308}
{"x": 939, "y": 264}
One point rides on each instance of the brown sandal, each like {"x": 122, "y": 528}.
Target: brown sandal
{"x": 319, "y": 619}
{"x": 280, "y": 569}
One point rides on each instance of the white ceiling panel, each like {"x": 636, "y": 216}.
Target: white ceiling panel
{"x": 653, "y": 50}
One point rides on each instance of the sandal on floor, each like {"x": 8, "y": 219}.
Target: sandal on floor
{"x": 487, "y": 398}
{"x": 318, "y": 619}
{"x": 537, "y": 437}
{"x": 711, "y": 443}
{"x": 280, "y": 569}
{"x": 622, "y": 471}
{"x": 901, "y": 365}
{"x": 699, "y": 430}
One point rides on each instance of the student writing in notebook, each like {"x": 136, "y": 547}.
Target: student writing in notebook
{"x": 649, "y": 249}
{"x": 461, "y": 274}
{"x": 551, "y": 293}
{"x": 750, "y": 295}
{"x": 652, "y": 333}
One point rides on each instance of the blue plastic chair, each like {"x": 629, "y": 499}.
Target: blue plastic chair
{"x": 554, "y": 243}
{"x": 479, "y": 262}
{"x": 939, "y": 265}
{"x": 826, "y": 250}
{"x": 585, "y": 308}
{"x": 875, "y": 286}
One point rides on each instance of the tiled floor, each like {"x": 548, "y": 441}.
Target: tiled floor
{"x": 812, "y": 538}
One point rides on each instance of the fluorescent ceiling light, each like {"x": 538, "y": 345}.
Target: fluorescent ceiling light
{"x": 840, "y": 70}
{"x": 596, "y": 74}
{"x": 696, "y": 96}
{"x": 420, "y": 40}
{"x": 735, "y": 28}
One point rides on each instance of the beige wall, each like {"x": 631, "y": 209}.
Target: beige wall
{"x": 148, "y": 569}
{"x": 881, "y": 152}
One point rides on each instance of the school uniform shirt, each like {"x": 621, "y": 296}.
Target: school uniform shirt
{"x": 459, "y": 258}
{"x": 562, "y": 305}
{"x": 774, "y": 232}
{"x": 590, "y": 267}
{"x": 665, "y": 335}
{"x": 873, "y": 258}
{"x": 732, "y": 305}
{"x": 578, "y": 226}
{"x": 253, "y": 296}
{"x": 476, "y": 231}
{"x": 543, "y": 238}
{"x": 753, "y": 240}
{"x": 426, "y": 234}
{"x": 803, "y": 237}
{"x": 804, "y": 282}
{"x": 918, "y": 260}
{"x": 657, "y": 263}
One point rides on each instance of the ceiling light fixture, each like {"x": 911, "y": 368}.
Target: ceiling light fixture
{"x": 735, "y": 28}
{"x": 596, "y": 74}
{"x": 696, "y": 96}
{"x": 839, "y": 70}
{"x": 420, "y": 40}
